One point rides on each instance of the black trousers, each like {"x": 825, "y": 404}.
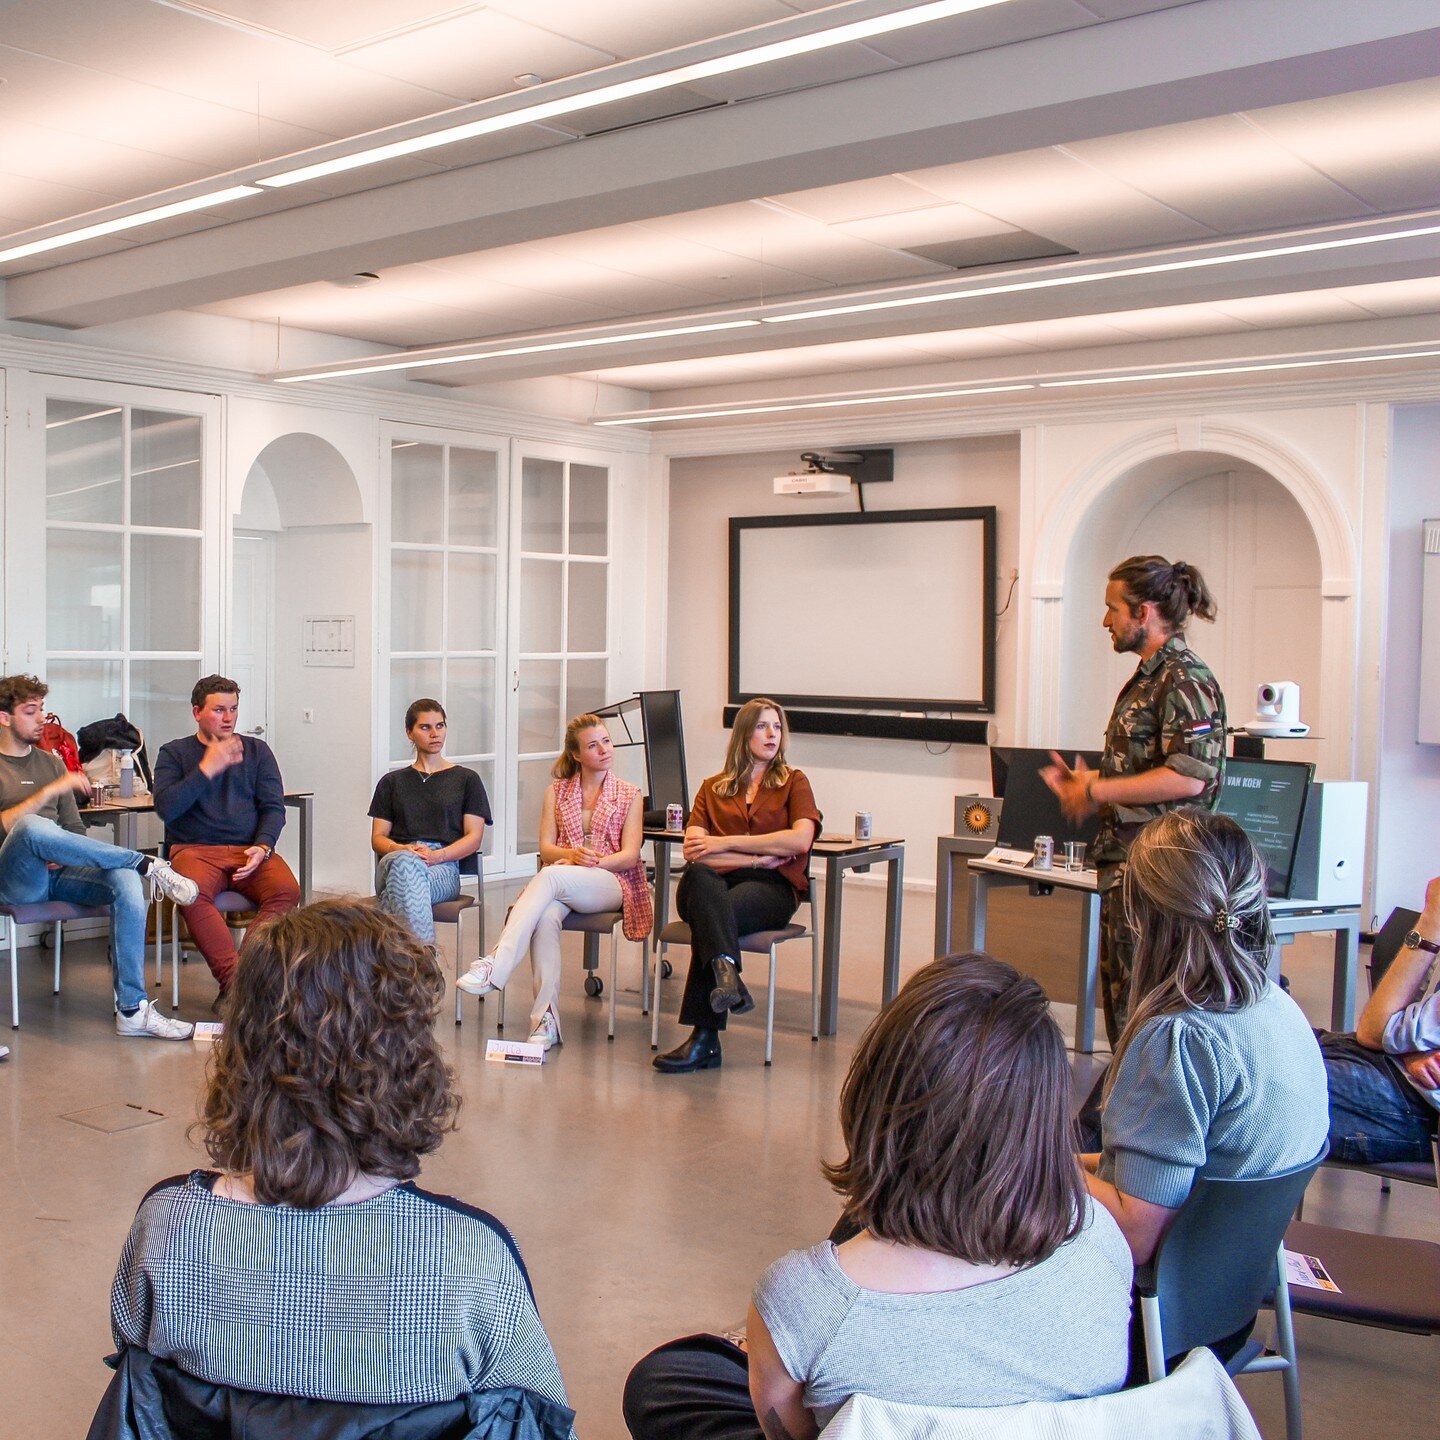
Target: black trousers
{"x": 719, "y": 909}
{"x": 692, "y": 1389}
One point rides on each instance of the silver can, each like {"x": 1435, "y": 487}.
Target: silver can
{"x": 675, "y": 818}
{"x": 863, "y": 825}
{"x": 1044, "y": 852}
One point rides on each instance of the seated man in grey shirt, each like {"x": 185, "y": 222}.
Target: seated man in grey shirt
{"x": 1384, "y": 1080}
{"x": 45, "y": 855}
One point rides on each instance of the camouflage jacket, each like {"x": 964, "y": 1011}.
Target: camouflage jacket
{"x": 1171, "y": 712}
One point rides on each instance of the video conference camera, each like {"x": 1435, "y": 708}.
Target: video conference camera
{"x": 1277, "y": 711}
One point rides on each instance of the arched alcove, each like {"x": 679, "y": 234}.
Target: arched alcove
{"x": 1249, "y": 537}
{"x": 301, "y": 553}
{"x": 1126, "y": 495}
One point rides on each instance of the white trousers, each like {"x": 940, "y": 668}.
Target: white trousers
{"x": 535, "y": 921}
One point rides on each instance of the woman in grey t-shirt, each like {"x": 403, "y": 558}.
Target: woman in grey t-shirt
{"x": 981, "y": 1273}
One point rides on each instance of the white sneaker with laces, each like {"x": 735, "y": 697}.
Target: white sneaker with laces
{"x": 547, "y": 1032}
{"x": 148, "y": 1020}
{"x": 476, "y": 980}
{"x": 170, "y": 883}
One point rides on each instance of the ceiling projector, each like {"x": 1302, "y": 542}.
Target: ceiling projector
{"x": 1277, "y": 711}
{"x": 812, "y": 482}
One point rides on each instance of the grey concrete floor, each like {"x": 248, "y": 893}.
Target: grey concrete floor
{"x": 646, "y": 1205}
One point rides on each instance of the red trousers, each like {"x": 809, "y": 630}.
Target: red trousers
{"x": 272, "y": 887}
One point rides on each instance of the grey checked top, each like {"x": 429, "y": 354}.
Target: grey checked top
{"x": 405, "y": 1298}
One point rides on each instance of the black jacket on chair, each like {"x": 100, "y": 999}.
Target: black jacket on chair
{"x": 150, "y": 1399}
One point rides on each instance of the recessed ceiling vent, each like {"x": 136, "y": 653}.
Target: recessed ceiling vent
{"x": 981, "y": 250}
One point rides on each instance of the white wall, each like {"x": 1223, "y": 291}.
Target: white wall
{"x": 908, "y": 786}
{"x": 1407, "y": 822}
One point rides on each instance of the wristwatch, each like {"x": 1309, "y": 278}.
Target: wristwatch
{"x": 1416, "y": 941}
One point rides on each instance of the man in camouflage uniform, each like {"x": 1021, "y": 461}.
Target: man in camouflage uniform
{"x": 1164, "y": 747}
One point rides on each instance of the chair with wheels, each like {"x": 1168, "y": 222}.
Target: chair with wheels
{"x": 763, "y": 942}
{"x": 42, "y": 912}
{"x": 1220, "y": 1261}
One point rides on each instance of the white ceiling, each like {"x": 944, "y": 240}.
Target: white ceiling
{"x": 108, "y": 101}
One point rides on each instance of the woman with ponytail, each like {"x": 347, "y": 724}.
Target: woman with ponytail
{"x": 977, "y": 1271}
{"x": 590, "y": 840}
{"x": 1217, "y": 1072}
{"x": 1164, "y": 745}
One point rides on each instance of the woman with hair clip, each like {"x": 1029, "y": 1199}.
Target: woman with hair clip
{"x": 977, "y": 1271}
{"x": 747, "y": 853}
{"x": 590, "y": 841}
{"x": 424, "y": 820}
{"x": 1217, "y": 1072}
{"x": 308, "y": 1263}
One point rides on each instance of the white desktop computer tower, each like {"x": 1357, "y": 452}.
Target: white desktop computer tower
{"x": 1330, "y": 856}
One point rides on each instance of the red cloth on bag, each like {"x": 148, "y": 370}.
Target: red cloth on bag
{"x": 60, "y": 742}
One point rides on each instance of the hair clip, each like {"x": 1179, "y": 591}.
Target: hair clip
{"x": 1224, "y": 921}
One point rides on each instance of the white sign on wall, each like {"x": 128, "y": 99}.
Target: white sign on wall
{"x": 329, "y": 640}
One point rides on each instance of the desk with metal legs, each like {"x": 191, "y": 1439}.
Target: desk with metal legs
{"x": 839, "y": 856}
{"x": 121, "y": 816}
{"x": 1288, "y": 918}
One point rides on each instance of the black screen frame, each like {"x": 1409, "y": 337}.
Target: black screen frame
{"x": 1276, "y": 887}
{"x": 984, "y": 704}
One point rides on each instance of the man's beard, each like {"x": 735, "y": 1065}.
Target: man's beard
{"x": 1127, "y": 642}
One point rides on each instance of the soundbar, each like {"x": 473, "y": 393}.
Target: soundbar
{"x": 944, "y": 731}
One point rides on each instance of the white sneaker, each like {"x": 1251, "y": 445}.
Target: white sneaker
{"x": 547, "y": 1032}
{"x": 172, "y": 884}
{"x": 476, "y": 980}
{"x": 148, "y": 1020}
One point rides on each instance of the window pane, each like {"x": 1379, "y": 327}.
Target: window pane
{"x": 410, "y": 680}
{"x": 165, "y": 480}
{"x": 540, "y": 606}
{"x": 164, "y": 592}
{"x": 472, "y": 602}
{"x": 541, "y": 721}
{"x": 589, "y": 504}
{"x": 160, "y": 700}
{"x": 416, "y": 493}
{"x": 84, "y": 690}
{"x": 83, "y": 475}
{"x": 470, "y": 707}
{"x": 415, "y": 599}
{"x": 534, "y": 781}
{"x": 585, "y": 689}
{"x": 474, "y": 497}
{"x": 586, "y": 605}
{"x": 82, "y": 590}
{"x": 542, "y": 486}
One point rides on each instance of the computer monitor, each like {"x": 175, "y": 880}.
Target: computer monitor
{"x": 664, "y": 754}
{"x": 1266, "y": 798}
{"x": 1031, "y": 808}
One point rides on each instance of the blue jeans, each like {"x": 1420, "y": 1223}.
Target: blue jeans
{"x": 408, "y": 887}
{"x": 92, "y": 873}
{"x": 1376, "y": 1115}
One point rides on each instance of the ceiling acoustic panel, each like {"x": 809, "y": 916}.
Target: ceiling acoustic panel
{"x": 980, "y": 250}
{"x": 323, "y": 23}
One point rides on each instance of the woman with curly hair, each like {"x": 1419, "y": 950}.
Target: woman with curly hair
{"x": 309, "y": 1263}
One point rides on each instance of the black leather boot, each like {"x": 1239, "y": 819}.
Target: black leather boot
{"x": 700, "y": 1052}
{"x": 729, "y": 992}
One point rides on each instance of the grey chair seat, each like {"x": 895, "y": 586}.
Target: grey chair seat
{"x": 447, "y": 912}
{"x": 601, "y": 922}
{"x": 1412, "y": 1172}
{"x": 232, "y": 902}
{"x": 1384, "y": 1280}
{"x": 42, "y": 912}
{"x": 677, "y": 932}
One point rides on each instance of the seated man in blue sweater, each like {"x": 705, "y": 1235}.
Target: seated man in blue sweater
{"x": 223, "y": 805}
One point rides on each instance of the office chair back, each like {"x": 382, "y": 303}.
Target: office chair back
{"x": 1215, "y": 1266}
{"x": 1388, "y": 940}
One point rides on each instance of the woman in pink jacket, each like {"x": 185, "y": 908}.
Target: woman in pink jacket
{"x": 590, "y": 839}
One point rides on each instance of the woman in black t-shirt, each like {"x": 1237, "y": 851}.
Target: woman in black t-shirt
{"x": 424, "y": 820}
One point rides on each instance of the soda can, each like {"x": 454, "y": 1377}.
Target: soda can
{"x": 863, "y": 825}
{"x": 674, "y": 818}
{"x": 1044, "y": 852}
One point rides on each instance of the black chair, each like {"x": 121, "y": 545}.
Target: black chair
{"x": 1384, "y": 1280}
{"x": 1215, "y": 1267}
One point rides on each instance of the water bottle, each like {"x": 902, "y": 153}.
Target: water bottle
{"x": 127, "y": 775}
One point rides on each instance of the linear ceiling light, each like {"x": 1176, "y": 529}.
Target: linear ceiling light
{"x": 127, "y": 222}
{"x": 1052, "y": 282}
{"x": 421, "y": 362}
{"x": 659, "y": 417}
{"x": 1239, "y": 369}
{"x": 643, "y": 85}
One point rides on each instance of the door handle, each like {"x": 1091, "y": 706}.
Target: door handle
{"x": 258, "y": 730}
